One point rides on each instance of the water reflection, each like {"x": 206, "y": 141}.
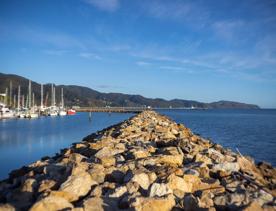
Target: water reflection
{"x": 24, "y": 141}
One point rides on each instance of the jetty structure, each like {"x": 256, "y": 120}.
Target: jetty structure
{"x": 148, "y": 163}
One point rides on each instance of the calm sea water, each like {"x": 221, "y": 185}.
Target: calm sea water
{"x": 24, "y": 141}
{"x": 252, "y": 132}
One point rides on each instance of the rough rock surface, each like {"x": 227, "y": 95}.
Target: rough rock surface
{"x": 145, "y": 163}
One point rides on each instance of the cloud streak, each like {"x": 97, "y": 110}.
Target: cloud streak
{"x": 106, "y": 5}
{"x": 90, "y": 56}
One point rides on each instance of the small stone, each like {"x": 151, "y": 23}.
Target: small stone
{"x": 104, "y": 152}
{"x": 171, "y": 156}
{"x": 118, "y": 192}
{"x": 227, "y": 167}
{"x": 132, "y": 187}
{"x": 192, "y": 172}
{"x": 93, "y": 204}
{"x": 140, "y": 154}
{"x": 220, "y": 200}
{"x": 158, "y": 189}
{"x": 97, "y": 173}
{"x": 107, "y": 161}
{"x": 190, "y": 203}
{"x": 96, "y": 192}
{"x": 153, "y": 204}
{"x": 142, "y": 179}
{"x": 236, "y": 198}
{"x": 46, "y": 185}
{"x": 178, "y": 183}
{"x": 6, "y": 207}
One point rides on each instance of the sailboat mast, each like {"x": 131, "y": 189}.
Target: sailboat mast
{"x": 41, "y": 95}
{"x": 30, "y": 95}
{"x": 6, "y": 96}
{"x": 14, "y": 101}
{"x": 52, "y": 95}
{"x": 10, "y": 98}
{"x": 18, "y": 98}
{"x": 33, "y": 100}
{"x": 62, "y": 100}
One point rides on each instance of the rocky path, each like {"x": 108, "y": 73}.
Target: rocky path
{"x": 146, "y": 163}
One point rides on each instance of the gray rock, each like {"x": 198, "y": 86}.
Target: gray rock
{"x": 227, "y": 167}
{"x": 158, "y": 189}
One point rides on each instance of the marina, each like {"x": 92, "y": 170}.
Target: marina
{"x": 18, "y": 107}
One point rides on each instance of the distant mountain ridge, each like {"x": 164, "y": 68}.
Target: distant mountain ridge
{"x": 84, "y": 96}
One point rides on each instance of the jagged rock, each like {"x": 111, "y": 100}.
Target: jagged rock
{"x": 171, "y": 156}
{"x": 190, "y": 203}
{"x": 118, "y": 192}
{"x": 46, "y": 185}
{"x": 51, "y": 203}
{"x": 178, "y": 183}
{"x": 227, "y": 167}
{"x": 97, "y": 173}
{"x": 158, "y": 189}
{"x": 22, "y": 197}
{"x": 206, "y": 201}
{"x": 7, "y": 207}
{"x": 104, "y": 152}
{"x": 78, "y": 185}
{"x": 107, "y": 161}
{"x": 132, "y": 187}
{"x": 136, "y": 154}
{"x": 142, "y": 179}
{"x": 93, "y": 204}
{"x": 154, "y": 204}
{"x": 221, "y": 200}
{"x": 253, "y": 206}
{"x": 263, "y": 197}
{"x": 192, "y": 171}
{"x": 216, "y": 155}
{"x": 96, "y": 192}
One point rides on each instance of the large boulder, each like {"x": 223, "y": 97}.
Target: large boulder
{"x": 51, "y": 203}
{"x": 78, "y": 185}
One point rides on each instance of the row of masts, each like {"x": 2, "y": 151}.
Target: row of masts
{"x": 18, "y": 101}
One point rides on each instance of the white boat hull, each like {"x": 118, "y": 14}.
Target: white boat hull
{"x": 62, "y": 113}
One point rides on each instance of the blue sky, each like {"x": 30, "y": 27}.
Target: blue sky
{"x": 199, "y": 50}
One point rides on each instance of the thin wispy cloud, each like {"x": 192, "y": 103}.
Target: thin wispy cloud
{"x": 188, "y": 12}
{"x": 228, "y": 29}
{"x": 171, "y": 68}
{"x": 106, "y": 5}
{"x": 56, "y": 52}
{"x": 43, "y": 37}
{"x": 90, "y": 56}
{"x": 143, "y": 63}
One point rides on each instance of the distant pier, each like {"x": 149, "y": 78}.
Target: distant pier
{"x": 112, "y": 109}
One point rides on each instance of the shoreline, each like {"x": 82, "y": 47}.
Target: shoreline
{"x": 145, "y": 162}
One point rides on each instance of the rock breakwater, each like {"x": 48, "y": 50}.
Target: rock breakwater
{"x": 145, "y": 163}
